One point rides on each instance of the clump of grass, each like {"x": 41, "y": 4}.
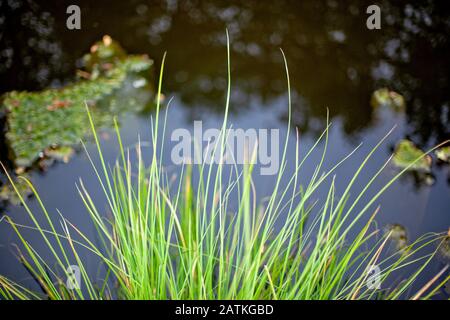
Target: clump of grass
{"x": 169, "y": 240}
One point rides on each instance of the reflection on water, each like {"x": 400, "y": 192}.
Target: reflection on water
{"x": 31, "y": 55}
{"x": 334, "y": 60}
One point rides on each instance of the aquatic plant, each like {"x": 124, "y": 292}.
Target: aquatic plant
{"x": 181, "y": 239}
{"x": 38, "y": 122}
{"x": 406, "y": 154}
{"x": 388, "y": 98}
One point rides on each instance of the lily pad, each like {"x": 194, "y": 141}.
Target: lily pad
{"x": 443, "y": 154}
{"x": 39, "y": 123}
{"x": 387, "y": 98}
{"x": 103, "y": 55}
{"x": 407, "y": 153}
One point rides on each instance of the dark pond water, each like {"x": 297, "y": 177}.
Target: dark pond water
{"x": 335, "y": 62}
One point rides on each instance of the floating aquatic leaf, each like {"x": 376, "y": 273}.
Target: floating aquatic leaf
{"x": 38, "y": 123}
{"x": 388, "y": 98}
{"x": 443, "y": 154}
{"x": 398, "y": 235}
{"x": 103, "y": 55}
{"x": 444, "y": 248}
{"x": 63, "y": 153}
{"x": 406, "y": 153}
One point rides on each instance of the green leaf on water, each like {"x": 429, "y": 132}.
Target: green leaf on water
{"x": 63, "y": 153}
{"x": 387, "y": 98}
{"x": 103, "y": 55}
{"x": 406, "y": 153}
{"x": 443, "y": 154}
{"x": 45, "y": 124}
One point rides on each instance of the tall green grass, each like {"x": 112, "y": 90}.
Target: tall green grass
{"x": 176, "y": 239}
